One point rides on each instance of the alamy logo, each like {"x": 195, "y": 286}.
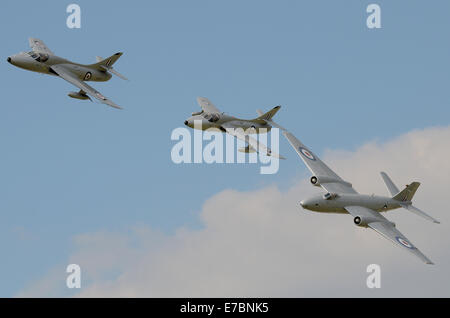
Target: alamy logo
{"x": 191, "y": 148}
{"x": 374, "y": 279}
{"x": 74, "y": 278}
{"x": 374, "y": 19}
{"x": 74, "y": 19}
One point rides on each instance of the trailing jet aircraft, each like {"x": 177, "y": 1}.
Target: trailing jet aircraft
{"x": 42, "y": 60}
{"x": 211, "y": 117}
{"x": 341, "y": 197}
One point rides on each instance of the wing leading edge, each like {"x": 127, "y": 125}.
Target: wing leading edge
{"x": 39, "y": 46}
{"x": 206, "y": 105}
{"x": 65, "y": 74}
{"x": 332, "y": 182}
{"x": 387, "y": 229}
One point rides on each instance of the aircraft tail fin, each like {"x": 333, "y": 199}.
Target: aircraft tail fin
{"x": 405, "y": 197}
{"x": 107, "y": 64}
{"x": 407, "y": 194}
{"x": 270, "y": 121}
{"x": 267, "y": 116}
{"x": 389, "y": 184}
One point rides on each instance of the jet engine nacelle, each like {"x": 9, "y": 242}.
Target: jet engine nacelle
{"x": 360, "y": 221}
{"x": 364, "y": 221}
{"x": 78, "y": 95}
{"x": 320, "y": 180}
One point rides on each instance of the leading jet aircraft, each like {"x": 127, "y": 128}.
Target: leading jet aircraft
{"x": 42, "y": 60}
{"x": 341, "y": 197}
{"x": 210, "y": 117}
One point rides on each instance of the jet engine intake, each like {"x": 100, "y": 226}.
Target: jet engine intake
{"x": 321, "y": 180}
{"x": 360, "y": 221}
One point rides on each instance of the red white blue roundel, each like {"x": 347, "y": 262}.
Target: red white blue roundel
{"x": 404, "y": 242}
{"x": 306, "y": 153}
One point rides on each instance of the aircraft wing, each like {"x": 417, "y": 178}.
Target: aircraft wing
{"x": 39, "y": 47}
{"x": 318, "y": 167}
{"x": 206, "y": 105}
{"x": 66, "y": 74}
{"x": 252, "y": 142}
{"x": 383, "y": 226}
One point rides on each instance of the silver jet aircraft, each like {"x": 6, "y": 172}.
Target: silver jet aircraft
{"x": 340, "y": 197}
{"x": 42, "y": 60}
{"x": 210, "y": 117}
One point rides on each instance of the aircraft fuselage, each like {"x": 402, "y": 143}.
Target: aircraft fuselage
{"x": 337, "y": 203}
{"x": 42, "y": 63}
{"x": 211, "y": 121}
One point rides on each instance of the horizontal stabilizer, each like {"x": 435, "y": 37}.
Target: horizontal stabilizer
{"x": 107, "y": 64}
{"x": 113, "y": 71}
{"x": 419, "y": 212}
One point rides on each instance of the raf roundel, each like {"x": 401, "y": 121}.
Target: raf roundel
{"x": 404, "y": 242}
{"x": 87, "y": 76}
{"x": 307, "y": 153}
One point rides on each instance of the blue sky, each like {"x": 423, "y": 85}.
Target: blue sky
{"x": 70, "y": 167}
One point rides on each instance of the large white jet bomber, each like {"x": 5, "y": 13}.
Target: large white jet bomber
{"x": 340, "y": 197}
{"x": 210, "y": 117}
{"x": 42, "y": 60}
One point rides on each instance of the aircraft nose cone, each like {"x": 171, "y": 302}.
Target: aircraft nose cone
{"x": 302, "y": 203}
{"x": 186, "y": 122}
{"x": 9, "y": 59}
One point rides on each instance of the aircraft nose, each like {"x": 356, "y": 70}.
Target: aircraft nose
{"x": 186, "y": 122}
{"x": 9, "y": 59}
{"x": 302, "y": 203}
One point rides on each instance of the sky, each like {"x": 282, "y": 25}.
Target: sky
{"x": 87, "y": 184}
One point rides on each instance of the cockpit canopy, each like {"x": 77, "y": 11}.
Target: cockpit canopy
{"x": 40, "y": 57}
{"x": 212, "y": 118}
{"x": 330, "y": 196}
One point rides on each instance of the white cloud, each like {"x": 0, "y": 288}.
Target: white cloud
{"x": 261, "y": 243}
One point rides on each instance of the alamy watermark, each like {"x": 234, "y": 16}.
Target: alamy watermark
{"x": 190, "y": 148}
{"x": 374, "y": 19}
{"x": 374, "y": 279}
{"x": 74, "y": 278}
{"x": 73, "y": 21}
